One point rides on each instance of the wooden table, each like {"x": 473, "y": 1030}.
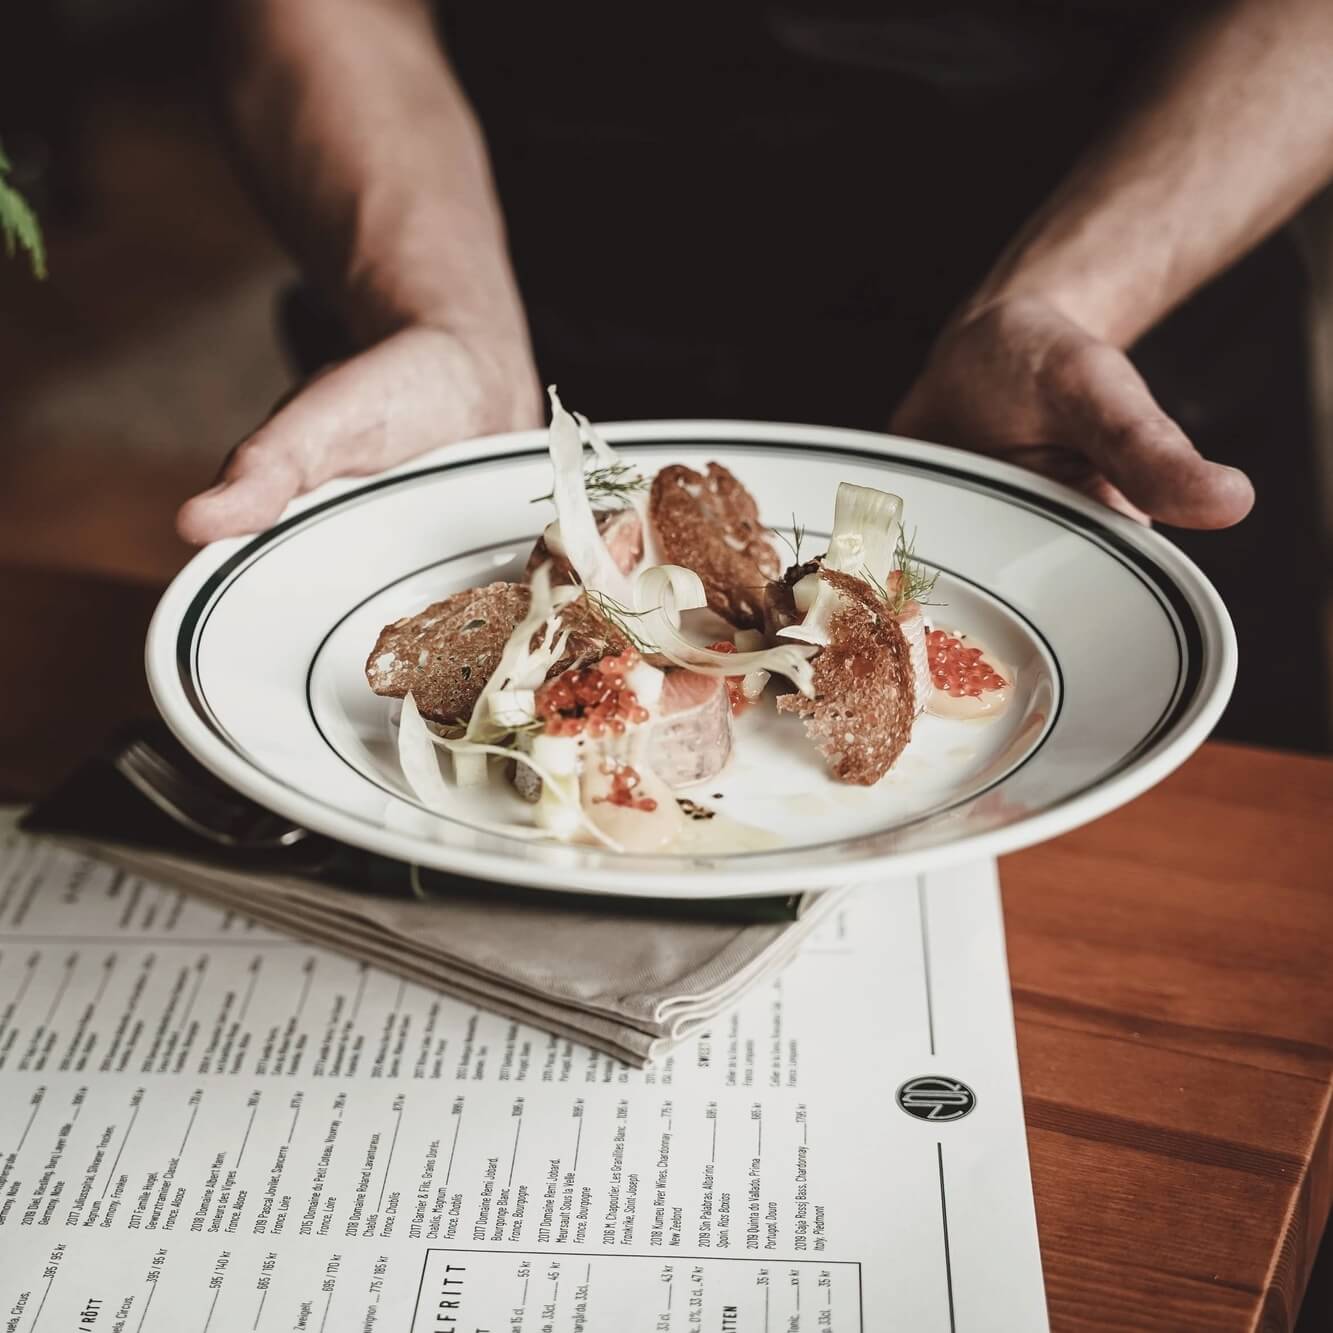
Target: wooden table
{"x": 1172, "y": 968}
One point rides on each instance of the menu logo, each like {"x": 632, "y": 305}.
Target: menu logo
{"x": 931, "y": 1097}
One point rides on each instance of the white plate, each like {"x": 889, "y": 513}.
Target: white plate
{"x": 1124, "y": 658}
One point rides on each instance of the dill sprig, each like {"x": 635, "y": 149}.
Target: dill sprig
{"x": 529, "y": 727}
{"x": 18, "y": 223}
{"x": 795, "y": 541}
{"x": 913, "y": 583}
{"x": 611, "y": 481}
{"x": 619, "y": 618}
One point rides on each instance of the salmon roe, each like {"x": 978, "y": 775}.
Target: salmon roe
{"x": 958, "y": 670}
{"x": 592, "y": 699}
{"x": 624, "y": 780}
{"x": 735, "y": 694}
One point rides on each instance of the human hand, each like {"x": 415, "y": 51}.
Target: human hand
{"x": 1018, "y": 380}
{"x": 419, "y": 388}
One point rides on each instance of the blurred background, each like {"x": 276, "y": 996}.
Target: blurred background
{"x": 153, "y": 345}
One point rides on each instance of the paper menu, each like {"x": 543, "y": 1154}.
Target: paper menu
{"x": 204, "y": 1125}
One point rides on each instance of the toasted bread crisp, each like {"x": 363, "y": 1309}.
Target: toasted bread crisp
{"x": 710, "y": 524}
{"x": 591, "y": 637}
{"x": 445, "y": 654}
{"x": 861, "y": 715}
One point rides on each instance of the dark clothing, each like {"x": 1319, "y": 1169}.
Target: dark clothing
{"x": 768, "y": 211}
{"x": 780, "y": 162}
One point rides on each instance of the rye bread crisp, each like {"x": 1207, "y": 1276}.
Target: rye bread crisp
{"x": 445, "y": 654}
{"x": 861, "y": 715}
{"x": 710, "y": 524}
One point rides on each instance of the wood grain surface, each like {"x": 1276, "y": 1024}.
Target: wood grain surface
{"x": 1172, "y": 967}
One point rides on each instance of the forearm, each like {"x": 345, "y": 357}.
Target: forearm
{"x": 362, "y": 147}
{"x": 1231, "y": 135}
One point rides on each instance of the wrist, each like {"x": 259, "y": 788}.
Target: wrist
{"x": 403, "y": 282}
{"x": 1096, "y": 304}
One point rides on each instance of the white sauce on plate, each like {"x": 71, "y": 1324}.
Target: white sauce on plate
{"x": 973, "y": 707}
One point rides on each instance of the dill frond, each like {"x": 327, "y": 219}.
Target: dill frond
{"x": 795, "y": 541}
{"x": 619, "y": 618}
{"x": 612, "y": 481}
{"x": 913, "y": 583}
{"x": 531, "y": 727}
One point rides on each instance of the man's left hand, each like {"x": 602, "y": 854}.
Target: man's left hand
{"x": 1019, "y": 381}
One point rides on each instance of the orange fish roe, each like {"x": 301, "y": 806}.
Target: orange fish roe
{"x": 958, "y": 670}
{"x": 591, "y": 699}
{"x": 624, "y": 779}
{"x": 735, "y": 695}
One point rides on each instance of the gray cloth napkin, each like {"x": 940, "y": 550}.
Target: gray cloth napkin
{"x": 628, "y": 976}
{"x": 630, "y": 986}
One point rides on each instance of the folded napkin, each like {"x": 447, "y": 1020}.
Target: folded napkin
{"x": 630, "y": 978}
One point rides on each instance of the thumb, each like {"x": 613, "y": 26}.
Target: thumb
{"x": 1109, "y": 415}
{"x": 332, "y": 425}
{"x": 260, "y": 477}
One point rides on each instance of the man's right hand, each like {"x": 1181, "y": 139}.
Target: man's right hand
{"x": 360, "y": 144}
{"x": 419, "y": 388}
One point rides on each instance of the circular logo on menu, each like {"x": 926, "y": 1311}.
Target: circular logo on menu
{"x": 932, "y": 1097}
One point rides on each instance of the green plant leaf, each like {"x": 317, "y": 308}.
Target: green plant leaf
{"x": 18, "y": 223}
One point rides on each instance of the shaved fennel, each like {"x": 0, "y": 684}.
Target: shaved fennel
{"x": 553, "y": 787}
{"x": 753, "y": 684}
{"x": 866, "y": 528}
{"x": 421, "y": 769}
{"x": 417, "y": 758}
{"x": 663, "y": 592}
{"x": 582, "y": 543}
{"x": 522, "y": 667}
{"x": 637, "y": 497}
{"x": 593, "y": 438}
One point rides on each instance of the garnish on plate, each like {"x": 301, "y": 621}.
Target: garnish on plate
{"x": 617, "y": 481}
{"x": 908, "y": 582}
{"x": 613, "y": 674}
{"x": 795, "y": 541}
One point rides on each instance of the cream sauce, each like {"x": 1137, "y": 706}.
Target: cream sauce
{"x": 635, "y": 830}
{"x": 989, "y": 704}
{"x": 721, "y": 835}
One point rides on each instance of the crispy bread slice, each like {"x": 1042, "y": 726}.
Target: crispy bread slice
{"x": 861, "y": 715}
{"x": 445, "y": 654}
{"x": 591, "y": 637}
{"x": 710, "y": 524}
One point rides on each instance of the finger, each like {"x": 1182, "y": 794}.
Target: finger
{"x": 913, "y": 419}
{"x": 338, "y": 423}
{"x": 1107, "y": 413}
{"x": 1074, "y": 470}
{"x": 260, "y": 478}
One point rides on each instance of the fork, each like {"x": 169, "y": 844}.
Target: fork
{"x": 199, "y": 803}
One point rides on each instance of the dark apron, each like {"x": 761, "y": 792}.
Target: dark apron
{"x": 768, "y": 211}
